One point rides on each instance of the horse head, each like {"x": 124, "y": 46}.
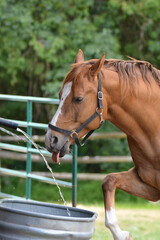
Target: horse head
{"x": 78, "y": 102}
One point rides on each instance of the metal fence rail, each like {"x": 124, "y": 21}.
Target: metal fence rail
{"x": 29, "y": 125}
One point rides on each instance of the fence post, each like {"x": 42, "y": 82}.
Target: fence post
{"x": 29, "y": 145}
{"x": 74, "y": 176}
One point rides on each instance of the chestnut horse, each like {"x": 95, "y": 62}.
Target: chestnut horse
{"x": 129, "y": 92}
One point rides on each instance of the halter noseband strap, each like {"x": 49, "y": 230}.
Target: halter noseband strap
{"x": 99, "y": 111}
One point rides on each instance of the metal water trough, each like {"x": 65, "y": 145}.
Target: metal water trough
{"x": 23, "y": 219}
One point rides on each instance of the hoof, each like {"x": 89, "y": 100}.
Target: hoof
{"x": 123, "y": 236}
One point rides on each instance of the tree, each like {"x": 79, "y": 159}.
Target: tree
{"x": 138, "y": 24}
{"x": 39, "y": 40}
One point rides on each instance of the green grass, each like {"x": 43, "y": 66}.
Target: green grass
{"x": 141, "y": 220}
{"x": 88, "y": 192}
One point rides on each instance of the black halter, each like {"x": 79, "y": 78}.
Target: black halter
{"x": 99, "y": 111}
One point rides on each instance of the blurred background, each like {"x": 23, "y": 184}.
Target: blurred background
{"x": 39, "y": 40}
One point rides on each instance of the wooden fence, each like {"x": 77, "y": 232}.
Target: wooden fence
{"x": 4, "y": 154}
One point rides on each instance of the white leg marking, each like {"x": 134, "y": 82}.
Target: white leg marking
{"x": 65, "y": 92}
{"x": 112, "y": 224}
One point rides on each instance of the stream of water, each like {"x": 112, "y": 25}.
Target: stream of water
{"x": 29, "y": 139}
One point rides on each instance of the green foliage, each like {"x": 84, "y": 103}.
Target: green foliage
{"x": 138, "y": 23}
{"x": 39, "y": 40}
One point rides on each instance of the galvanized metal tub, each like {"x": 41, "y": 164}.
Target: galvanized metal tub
{"x": 23, "y": 219}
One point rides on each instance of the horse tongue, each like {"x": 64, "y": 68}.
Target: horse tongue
{"x": 55, "y": 157}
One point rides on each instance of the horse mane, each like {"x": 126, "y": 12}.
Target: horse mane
{"x": 127, "y": 70}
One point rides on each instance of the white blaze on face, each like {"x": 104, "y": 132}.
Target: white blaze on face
{"x": 112, "y": 224}
{"x": 65, "y": 92}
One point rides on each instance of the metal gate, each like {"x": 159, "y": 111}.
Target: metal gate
{"x": 29, "y": 125}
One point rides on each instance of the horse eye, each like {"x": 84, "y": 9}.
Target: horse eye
{"x": 78, "y": 99}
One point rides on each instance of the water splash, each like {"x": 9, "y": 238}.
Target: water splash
{"x": 29, "y": 139}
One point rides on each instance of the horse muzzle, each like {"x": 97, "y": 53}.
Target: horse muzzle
{"x": 57, "y": 144}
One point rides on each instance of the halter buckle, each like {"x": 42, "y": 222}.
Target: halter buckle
{"x": 72, "y": 134}
{"x": 100, "y": 95}
{"x": 100, "y": 115}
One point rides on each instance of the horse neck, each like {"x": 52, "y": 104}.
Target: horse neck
{"x": 135, "y": 113}
{"x": 119, "y": 103}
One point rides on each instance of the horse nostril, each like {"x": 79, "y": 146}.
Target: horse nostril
{"x": 53, "y": 141}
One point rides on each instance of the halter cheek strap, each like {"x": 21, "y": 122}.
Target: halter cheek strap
{"x": 99, "y": 111}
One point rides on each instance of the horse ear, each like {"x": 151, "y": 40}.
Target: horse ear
{"x": 96, "y": 67}
{"x": 80, "y": 57}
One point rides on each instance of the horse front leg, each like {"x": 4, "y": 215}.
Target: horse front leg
{"x": 129, "y": 182}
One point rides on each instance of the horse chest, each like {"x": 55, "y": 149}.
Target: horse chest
{"x": 147, "y": 162}
{"x": 150, "y": 175}
{"x": 145, "y": 151}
